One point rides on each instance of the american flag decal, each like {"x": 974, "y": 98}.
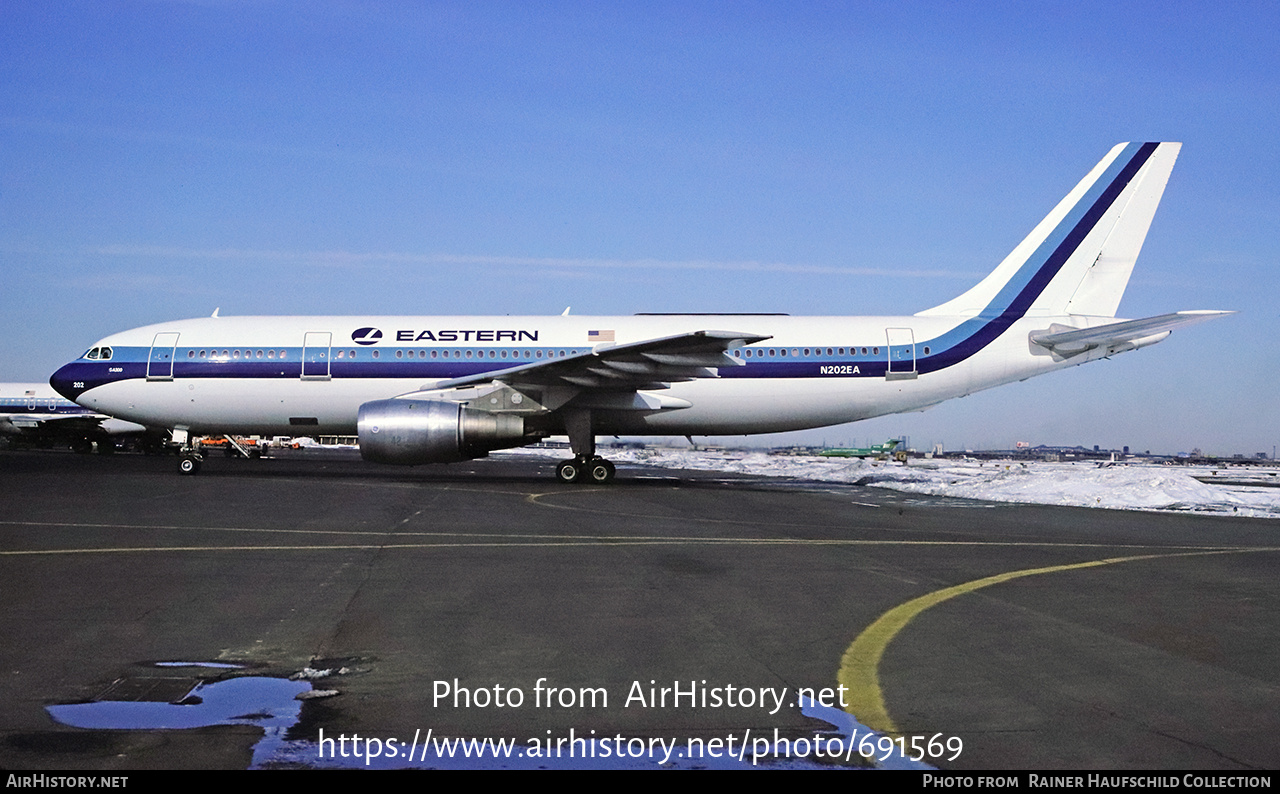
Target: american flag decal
{"x": 600, "y": 336}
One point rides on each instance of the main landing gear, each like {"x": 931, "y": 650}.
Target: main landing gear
{"x": 585, "y": 465}
{"x": 585, "y": 468}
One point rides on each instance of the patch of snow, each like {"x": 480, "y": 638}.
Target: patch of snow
{"x": 1128, "y": 486}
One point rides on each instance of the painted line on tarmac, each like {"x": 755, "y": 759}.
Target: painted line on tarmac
{"x": 860, "y": 664}
{"x": 623, "y": 540}
{"x": 543, "y": 538}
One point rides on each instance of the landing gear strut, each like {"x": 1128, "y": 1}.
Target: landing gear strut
{"x": 189, "y": 458}
{"x": 586, "y": 465}
{"x": 585, "y": 468}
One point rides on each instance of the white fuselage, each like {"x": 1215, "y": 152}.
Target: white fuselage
{"x": 308, "y": 375}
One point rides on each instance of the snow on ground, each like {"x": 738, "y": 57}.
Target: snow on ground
{"x": 1121, "y": 486}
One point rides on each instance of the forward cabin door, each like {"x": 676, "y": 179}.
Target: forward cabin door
{"x": 315, "y": 355}
{"x": 160, "y": 360}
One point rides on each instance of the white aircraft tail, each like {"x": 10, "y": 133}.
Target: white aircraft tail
{"x": 1079, "y": 258}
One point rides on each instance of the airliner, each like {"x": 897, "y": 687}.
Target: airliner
{"x": 421, "y": 390}
{"x": 33, "y": 413}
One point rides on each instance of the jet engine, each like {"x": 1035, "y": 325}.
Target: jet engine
{"x": 412, "y": 431}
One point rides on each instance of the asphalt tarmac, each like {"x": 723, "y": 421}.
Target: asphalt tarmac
{"x": 1012, "y": 637}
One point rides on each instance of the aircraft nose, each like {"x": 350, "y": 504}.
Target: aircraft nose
{"x": 64, "y": 382}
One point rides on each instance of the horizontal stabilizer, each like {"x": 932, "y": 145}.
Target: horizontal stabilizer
{"x": 1067, "y": 341}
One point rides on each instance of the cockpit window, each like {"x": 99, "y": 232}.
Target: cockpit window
{"x": 92, "y": 354}
{"x": 106, "y": 353}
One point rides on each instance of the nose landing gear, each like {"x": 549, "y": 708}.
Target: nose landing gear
{"x": 189, "y": 462}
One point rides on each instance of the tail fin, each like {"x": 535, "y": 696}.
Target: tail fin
{"x": 1079, "y": 258}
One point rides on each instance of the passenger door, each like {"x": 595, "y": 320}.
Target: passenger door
{"x": 160, "y": 360}
{"x": 315, "y": 355}
{"x": 902, "y": 354}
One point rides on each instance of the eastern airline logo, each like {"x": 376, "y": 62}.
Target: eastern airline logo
{"x": 366, "y": 336}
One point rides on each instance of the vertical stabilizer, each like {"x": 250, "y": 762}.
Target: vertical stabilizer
{"x": 1079, "y": 258}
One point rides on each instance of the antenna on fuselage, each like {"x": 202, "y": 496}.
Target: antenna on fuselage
{"x": 565, "y": 313}
{"x": 215, "y": 311}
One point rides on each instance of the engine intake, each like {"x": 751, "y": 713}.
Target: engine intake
{"x": 432, "y": 431}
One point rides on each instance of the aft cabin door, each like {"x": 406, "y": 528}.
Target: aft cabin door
{"x": 902, "y": 354}
{"x": 315, "y": 355}
{"x": 160, "y": 361}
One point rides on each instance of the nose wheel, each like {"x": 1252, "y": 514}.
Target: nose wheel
{"x": 585, "y": 469}
{"x": 189, "y": 463}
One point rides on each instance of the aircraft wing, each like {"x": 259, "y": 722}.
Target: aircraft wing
{"x": 82, "y": 422}
{"x": 1068, "y": 341}
{"x": 649, "y": 364}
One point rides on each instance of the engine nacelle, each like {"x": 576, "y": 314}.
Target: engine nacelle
{"x": 432, "y": 431}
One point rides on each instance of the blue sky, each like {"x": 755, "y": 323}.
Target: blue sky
{"x": 161, "y": 159}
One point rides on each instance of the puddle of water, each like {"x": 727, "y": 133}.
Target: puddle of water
{"x": 273, "y": 705}
{"x": 269, "y": 703}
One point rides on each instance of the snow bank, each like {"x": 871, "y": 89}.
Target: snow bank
{"x": 1085, "y": 484}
